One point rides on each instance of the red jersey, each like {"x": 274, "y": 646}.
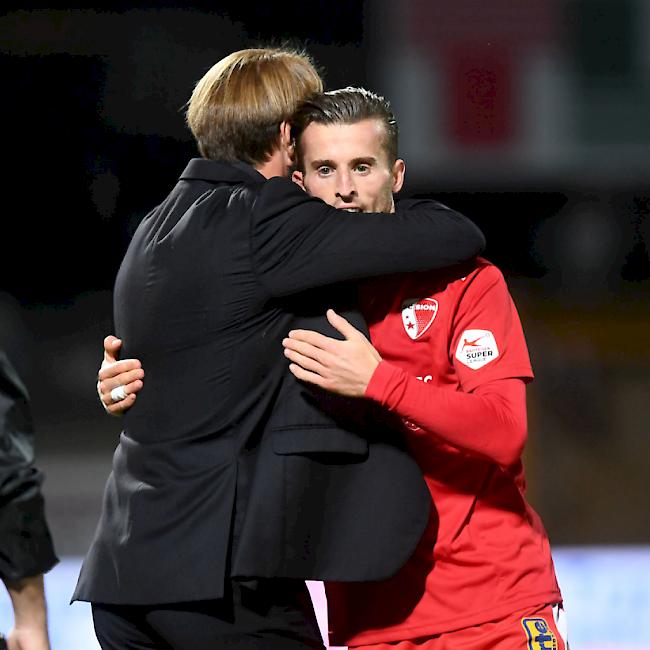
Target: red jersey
{"x": 485, "y": 553}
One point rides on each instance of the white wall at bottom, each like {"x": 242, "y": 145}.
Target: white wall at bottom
{"x": 606, "y": 593}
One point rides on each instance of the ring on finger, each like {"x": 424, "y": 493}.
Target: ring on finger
{"x": 118, "y": 394}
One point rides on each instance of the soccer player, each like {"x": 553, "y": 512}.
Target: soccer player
{"x": 450, "y": 359}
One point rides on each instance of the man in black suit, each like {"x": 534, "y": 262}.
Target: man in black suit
{"x": 26, "y": 550}
{"x": 232, "y": 482}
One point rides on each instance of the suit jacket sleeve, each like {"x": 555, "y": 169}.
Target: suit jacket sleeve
{"x": 299, "y": 242}
{"x": 25, "y": 543}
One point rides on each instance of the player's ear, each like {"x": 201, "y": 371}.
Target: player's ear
{"x": 286, "y": 143}
{"x": 298, "y": 179}
{"x": 398, "y": 171}
{"x": 285, "y": 134}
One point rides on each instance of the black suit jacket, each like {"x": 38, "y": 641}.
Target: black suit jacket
{"x": 228, "y": 466}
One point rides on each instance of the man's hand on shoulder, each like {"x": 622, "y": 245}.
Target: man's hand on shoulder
{"x": 118, "y": 381}
{"x": 343, "y": 367}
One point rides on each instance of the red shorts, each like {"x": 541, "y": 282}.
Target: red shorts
{"x": 541, "y": 628}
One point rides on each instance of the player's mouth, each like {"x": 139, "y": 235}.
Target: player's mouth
{"x": 352, "y": 209}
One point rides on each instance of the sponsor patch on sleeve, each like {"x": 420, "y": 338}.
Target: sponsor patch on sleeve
{"x": 476, "y": 348}
{"x": 540, "y": 636}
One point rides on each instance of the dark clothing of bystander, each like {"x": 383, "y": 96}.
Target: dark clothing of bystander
{"x": 25, "y": 542}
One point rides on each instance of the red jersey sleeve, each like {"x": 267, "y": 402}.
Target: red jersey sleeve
{"x": 487, "y": 341}
{"x": 490, "y": 422}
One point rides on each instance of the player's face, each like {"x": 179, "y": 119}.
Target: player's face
{"x": 346, "y": 165}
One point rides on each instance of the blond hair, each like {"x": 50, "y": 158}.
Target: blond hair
{"x": 237, "y": 107}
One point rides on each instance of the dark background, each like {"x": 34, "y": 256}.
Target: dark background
{"x": 547, "y": 148}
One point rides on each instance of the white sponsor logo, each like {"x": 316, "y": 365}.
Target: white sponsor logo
{"x": 417, "y": 316}
{"x": 476, "y": 348}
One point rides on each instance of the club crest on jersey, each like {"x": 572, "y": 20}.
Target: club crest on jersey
{"x": 417, "y": 316}
{"x": 540, "y": 636}
{"x": 476, "y": 348}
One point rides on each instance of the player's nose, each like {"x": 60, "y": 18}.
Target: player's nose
{"x": 345, "y": 188}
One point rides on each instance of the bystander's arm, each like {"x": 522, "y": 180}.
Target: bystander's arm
{"x": 30, "y": 614}
{"x": 26, "y": 550}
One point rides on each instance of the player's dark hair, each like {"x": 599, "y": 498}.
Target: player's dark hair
{"x": 345, "y": 106}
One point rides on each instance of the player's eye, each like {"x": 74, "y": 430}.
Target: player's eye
{"x": 324, "y": 170}
{"x": 362, "y": 169}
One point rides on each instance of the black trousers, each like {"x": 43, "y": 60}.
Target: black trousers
{"x": 261, "y": 614}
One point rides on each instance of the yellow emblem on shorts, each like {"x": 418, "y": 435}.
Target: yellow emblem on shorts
{"x": 540, "y": 635}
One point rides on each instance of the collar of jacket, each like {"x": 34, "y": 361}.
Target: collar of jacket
{"x": 219, "y": 171}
